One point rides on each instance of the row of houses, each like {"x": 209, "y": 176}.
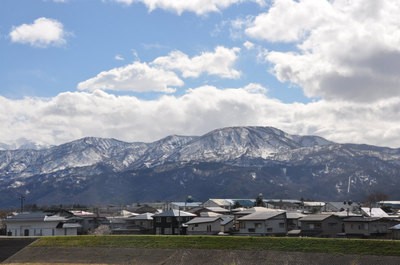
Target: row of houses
{"x": 218, "y": 217}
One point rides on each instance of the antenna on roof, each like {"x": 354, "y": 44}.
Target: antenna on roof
{"x": 22, "y": 199}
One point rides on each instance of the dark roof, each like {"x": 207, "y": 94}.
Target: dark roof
{"x": 173, "y": 213}
{"x": 361, "y": 219}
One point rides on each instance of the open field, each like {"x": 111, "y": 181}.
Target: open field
{"x": 333, "y": 246}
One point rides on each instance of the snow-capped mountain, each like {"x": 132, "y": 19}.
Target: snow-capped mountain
{"x": 235, "y": 161}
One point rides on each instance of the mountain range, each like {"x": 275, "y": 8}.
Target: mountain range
{"x": 234, "y": 162}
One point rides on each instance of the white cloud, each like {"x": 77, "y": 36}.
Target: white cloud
{"x": 346, "y": 50}
{"x": 69, "y": 116}
{"x": 200, "y": 7}
{"x": 139, "y": 77}
{"x": 42, "y": 33}
{"x": 219, "y": 63}
{"x": 248, "y": 45}
{"x": 119, "y": 57}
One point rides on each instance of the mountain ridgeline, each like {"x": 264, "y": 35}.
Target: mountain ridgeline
{"x": 234, "y": 162}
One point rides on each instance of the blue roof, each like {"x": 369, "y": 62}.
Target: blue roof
{"x": 27, "y": 216}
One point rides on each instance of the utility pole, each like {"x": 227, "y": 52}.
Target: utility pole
{"x": 22, "y": 199}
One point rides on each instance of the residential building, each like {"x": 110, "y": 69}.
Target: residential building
{"x": 204, "y": 226}
{"x": 41, "y": 224}
{"x": 263, "y": 223}
{"x": 321, "y": 225}
{"x": 368, "y": 227}
{"x": 171, "y": 222}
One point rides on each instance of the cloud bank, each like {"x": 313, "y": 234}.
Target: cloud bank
{"x": 200, "y": 7}
{"x": 73, "y": 115}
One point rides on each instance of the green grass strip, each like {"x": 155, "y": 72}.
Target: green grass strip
{"x": 336, "y": 246}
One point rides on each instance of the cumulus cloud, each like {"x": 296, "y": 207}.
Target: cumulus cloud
{"x": 73, "y": 115}
{"x": 219, "y": 63}
{"x": 138, "y": 77}
{"x": 43, "y": 32}
{"x": 200, "y": 7}
{"x": 346, "y": 50}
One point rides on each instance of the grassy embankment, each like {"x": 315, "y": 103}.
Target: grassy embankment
{"x": 336, "y": 246}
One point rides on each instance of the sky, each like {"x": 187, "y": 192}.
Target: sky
{"x": 140, "y": 70}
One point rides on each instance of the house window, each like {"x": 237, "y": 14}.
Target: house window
{"x": 242, "y": 225}
{"x": 332, "y": 224}
{"x": 158, "y": 230}
{"x": 269, "y": 229}
{"x": 208, "y": 228}
{"x": 311, "y": 226}
{"x": 196, "y": 225}
{"x": 318, "y": 225}
{"x": 257, "y": 225}
{"x": 168, "y": 231}
{"x": 158, "y": 220}
{"x": 169, "y": 219}
{"x": 252, "y": 230}
{"x": 281, "y": 225}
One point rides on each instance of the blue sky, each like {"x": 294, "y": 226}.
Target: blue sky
{"x": 139, "y": 70}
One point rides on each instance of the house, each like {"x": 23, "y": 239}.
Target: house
{"x": 90, "y": 221}
{"x": 142, "y": 222}
{"x": 263, "y": 223}
{"x": 293, "y": 222}
{"x": 227, "y": 225}
{"x": 204, "y": 226}
{"x": 395, "y": 231}
{"x": 321, "y": 225}
{"x": 171, "y": 222}
{"x": 41, "y": 224}
{"x": 368, "y": 227}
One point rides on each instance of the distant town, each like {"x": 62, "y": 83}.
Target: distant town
{"x": 220, "y": 217}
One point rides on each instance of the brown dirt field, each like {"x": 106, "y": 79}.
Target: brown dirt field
{"x": 72, "y": 255}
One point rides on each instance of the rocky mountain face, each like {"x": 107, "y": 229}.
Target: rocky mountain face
{"x": 229, "y": 162}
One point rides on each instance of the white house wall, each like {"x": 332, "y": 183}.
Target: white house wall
{"x": 39, "y": 229}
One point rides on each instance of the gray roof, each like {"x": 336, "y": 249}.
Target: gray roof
{"x": 294, "y": 215}
{"x": 256, "y": 209}
{"x": 261, "y": 215}
{"x": 199, "y": 220}
{"x": 396, "y": 227}
{"x": 173, "y": 213}
{"x": 315, "y": 217}
{"x": 143, "y": 216}
{"x": 226, "y": 220}
{"x": 27, "y": 217}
